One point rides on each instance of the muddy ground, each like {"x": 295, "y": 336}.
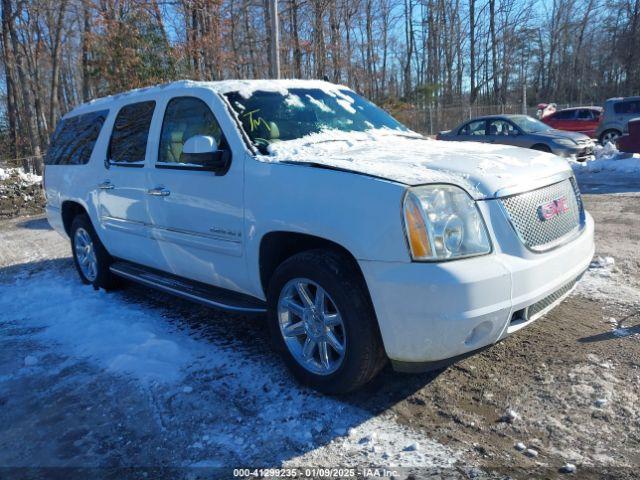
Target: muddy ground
{"x": 572, "y": 381}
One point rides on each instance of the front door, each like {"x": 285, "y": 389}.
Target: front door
{"x": 196, "y": 215}
{"x": 122, "y": 187}
{"x": 502, "y": 132}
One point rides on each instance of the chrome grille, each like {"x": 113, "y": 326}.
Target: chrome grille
{"x": 536, "y": 233}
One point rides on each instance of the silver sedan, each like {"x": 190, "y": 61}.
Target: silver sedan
{"x": 521, "y": 131}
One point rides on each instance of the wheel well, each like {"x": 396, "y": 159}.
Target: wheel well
{"x": 276, "y": 247}
{"x": 70, "y": 210}
{"x": 541, "y": 147}
{"x": 607, "y": 131}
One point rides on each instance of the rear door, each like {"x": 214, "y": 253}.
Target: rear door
{"x": 122, "y": 187}
{"x": 474, "y": 131}
{"x": 563, "y": 120}
{"x": 197, "y": 220}
{"x": 586, "y": 121}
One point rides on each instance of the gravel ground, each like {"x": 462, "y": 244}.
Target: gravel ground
{"x": 201, "y": 388}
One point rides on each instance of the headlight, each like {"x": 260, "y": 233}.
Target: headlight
{"x": 443, "y": 222}
{"x": 565, "y": 142}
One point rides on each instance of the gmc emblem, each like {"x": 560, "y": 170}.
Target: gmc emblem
{"x": 551, "y": 209}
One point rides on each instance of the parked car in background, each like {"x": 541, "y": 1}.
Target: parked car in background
{"x": 360, "y": 240}
{"x": 578, "y": 119}
{"x": 616, "y": 116}
{"x": 630, "y": 142}
{"x": 521, "y": 131}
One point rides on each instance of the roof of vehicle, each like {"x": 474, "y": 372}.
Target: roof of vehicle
{"x": 243, "y": 87}
{"x": 496, "y": 116}
{"x": 588, "y": 107}
{"x": 618, "y": 99}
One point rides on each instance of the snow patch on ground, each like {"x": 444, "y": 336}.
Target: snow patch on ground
{"x": 609, "y": 159}
{"x": 277, "y": 422}
{"x": 602, "y": 282}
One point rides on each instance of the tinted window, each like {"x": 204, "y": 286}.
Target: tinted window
{"x": 474, "y": 128}
{"x": 586, "y": 114}
{"x": 628, "y": 107}
{"x": 501, "y": 127}
{"x": 564, "y": 115}
{"x": 184, "y": 118}
{"x": 74, "y": 139}
{"x": 130, "y": 131}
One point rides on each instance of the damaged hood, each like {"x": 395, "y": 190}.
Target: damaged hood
{"x": 408, "y": 158}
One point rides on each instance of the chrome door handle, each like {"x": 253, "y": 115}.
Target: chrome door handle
{"x": 106, "y": 185}
{"x": 159, "y": 192}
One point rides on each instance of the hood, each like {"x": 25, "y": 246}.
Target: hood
{"x": 408, "y": 158}
{"x": 553, "y": 134}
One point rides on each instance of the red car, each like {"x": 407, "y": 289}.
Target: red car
{"x": 579, "y": 119}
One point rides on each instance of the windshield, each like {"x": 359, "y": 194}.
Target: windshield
{"x": 269, "y": 117}
{"x": 529, "y": 125}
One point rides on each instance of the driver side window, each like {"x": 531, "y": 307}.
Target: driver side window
{"x": 501, "y": 127}
{"x": 184, "y": 118}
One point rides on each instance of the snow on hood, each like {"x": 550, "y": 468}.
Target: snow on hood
{"x": 411, "y": 159}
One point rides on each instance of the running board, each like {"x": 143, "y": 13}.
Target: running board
{"x": 189, "y": 289}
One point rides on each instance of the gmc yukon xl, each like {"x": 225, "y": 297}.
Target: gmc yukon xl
{"x": 362, "y": 241}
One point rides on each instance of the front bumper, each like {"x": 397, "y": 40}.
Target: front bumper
{"x": 580, "y": 153}
{"x": 430, "y": 312}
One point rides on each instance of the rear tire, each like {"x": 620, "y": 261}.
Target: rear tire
{"x": 343, "y": 318}
{"x": 91, "y": 259}
{"x": 610, "y": 135}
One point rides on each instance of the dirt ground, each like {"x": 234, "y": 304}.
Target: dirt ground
{"x": 573, "y": 382}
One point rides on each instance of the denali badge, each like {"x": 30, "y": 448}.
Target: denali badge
{"x": 548, "y": 210}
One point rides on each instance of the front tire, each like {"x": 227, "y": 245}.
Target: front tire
{"x": 322, "y": 322}
{"x": 91, "y": 259}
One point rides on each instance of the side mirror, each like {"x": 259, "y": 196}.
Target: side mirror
{"x": 202, "y": 152}
{"x": 200, "y": 144}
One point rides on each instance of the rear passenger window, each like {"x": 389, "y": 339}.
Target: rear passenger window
{"x": 128, "y": 143}
{"x": 184, "y": 118}
{"x": 564, "y": 115}
{"x": 627, "y": 107}
{"x": 585, "y": 114}
{"x": 73, "y": 141}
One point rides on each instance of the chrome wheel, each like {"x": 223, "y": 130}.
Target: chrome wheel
{"x": 311, "y": 326}
{"x": 85, "y": 254}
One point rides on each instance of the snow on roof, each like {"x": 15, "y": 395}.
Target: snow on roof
{"x": 245, "y": 87}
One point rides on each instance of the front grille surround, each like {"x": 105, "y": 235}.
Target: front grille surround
{"x": 539, "y": 235}
{"x": 537, "y": 309}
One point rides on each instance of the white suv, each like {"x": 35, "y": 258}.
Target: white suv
{"x": 363, "y": 241}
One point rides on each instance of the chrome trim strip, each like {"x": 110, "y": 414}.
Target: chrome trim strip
{"x": 532, "y": 185}
{"x": 123, "y": 220}
{"x": 192, "y": 233}
{"x": 197, "y": 234}
{"x": 186, "y": 295}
